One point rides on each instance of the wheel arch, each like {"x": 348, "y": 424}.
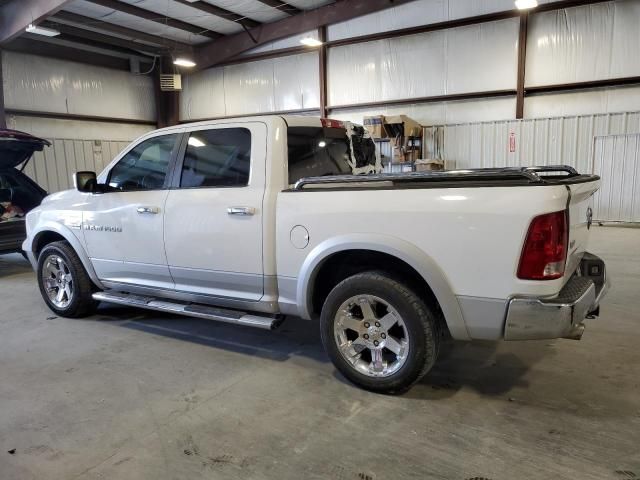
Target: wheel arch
{"x": 403, "y": 253}
{"x": 52, "y": 232}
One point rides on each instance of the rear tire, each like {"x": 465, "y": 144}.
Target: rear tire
{"x": 379, "y": 333}
{"x": 64, "y": 284}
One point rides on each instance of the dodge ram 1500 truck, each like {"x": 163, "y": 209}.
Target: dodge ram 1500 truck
{"x": 249, "y": 220}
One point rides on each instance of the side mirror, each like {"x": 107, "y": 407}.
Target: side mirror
{"x": 85, "y": 181}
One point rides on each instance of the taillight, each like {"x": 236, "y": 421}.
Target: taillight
{"x": 545, "y": 249}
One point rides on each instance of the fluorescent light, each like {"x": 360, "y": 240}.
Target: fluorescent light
{"x": 47, "y": 32}
{"x": 184, "y": 62}
{"x": 322, "y": 144}
{"x": 310, "y": 42}
{"x": 195, "y": 142}
{"x": 526, "y": 4}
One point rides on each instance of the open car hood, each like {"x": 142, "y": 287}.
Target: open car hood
{"x": 17, "y": 147}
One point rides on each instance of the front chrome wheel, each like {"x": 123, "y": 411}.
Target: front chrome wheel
{"x": 371, "y": 335}
{"x": 58, "y": 281}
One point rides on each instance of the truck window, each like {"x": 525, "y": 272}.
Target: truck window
{"x": 219, "y": 157}
{"x": 317, "y": 151}
{"x": 145, "y": 166}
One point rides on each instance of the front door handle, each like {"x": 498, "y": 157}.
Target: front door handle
{"x": 241, "y": 211}
{"x": 150, "y": 210}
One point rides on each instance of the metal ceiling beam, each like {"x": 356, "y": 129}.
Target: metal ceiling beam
{"x": 228, "y": 47}
{"x": 156, "y": 17}
{"x": 45, "y": 49}
{"x": 102, "y": 39}
{"x": 221, "y": 12}
{"x": 16, "y": 15}
{"x": 81, "y": 20}
{"x": 282, "y": 6}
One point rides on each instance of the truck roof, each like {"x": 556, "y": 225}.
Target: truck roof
{"x": 291, "y": 120}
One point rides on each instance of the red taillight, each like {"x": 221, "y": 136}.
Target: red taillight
{"x": 329, "y": 123}
{"x": 545, "y": 249}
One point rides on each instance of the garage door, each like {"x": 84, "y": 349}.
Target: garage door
{"x": 617, "y": 161}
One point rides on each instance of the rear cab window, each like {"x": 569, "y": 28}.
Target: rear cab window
{"x": 324, "y": 151}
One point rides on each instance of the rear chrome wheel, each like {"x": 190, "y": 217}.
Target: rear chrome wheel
{"x": 371, "y": 335}
{"x": 58, "y": 281}
{"x": 378, "y": 332}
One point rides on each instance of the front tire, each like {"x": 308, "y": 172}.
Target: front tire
{"x": 379, "y": 333}
{"x": 64, "y": 283}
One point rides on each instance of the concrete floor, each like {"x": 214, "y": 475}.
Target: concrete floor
{"x": 133, "y": 395}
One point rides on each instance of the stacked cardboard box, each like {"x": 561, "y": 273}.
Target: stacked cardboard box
{"x": 404, "y": 133}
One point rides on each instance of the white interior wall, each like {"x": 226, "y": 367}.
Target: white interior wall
{"x": 579, "y": 44}
{"x": 468, "y": 59}
{"x": 576, "y": 44}
{"x": 278, "y": 84}
{"x": 58, "y": 86}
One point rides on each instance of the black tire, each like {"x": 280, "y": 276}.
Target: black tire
{"x": 81, "y": 303}
{"x": 420, "y": 326}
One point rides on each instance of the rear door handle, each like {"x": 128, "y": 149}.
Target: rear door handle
{"x": 149, "y": 210}
{"x": 241, "y": 211}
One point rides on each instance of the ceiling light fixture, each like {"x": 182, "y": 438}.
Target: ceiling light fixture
{"x": 184, "y": 62}
{"x": 526, "y": 4}
{"x": 47, "y": 32}
{"x": 310, "y": 42}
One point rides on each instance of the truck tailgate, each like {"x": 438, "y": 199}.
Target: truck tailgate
{"x": 579, "y": 222}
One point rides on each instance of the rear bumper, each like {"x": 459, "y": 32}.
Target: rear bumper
{"x": 561, "y": 316}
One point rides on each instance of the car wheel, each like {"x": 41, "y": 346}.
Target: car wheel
{"x": 378, "y": 333}
{"x": 64, "y": 284}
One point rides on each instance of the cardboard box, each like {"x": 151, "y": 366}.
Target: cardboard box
{"x": 429, "y": 165}
{"x": 400, "y": 128}
{"x": 375, "y": 126}
{"x": 404, "y": 154}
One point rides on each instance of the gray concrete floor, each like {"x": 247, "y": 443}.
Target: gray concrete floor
{"x": 134, "y": 395}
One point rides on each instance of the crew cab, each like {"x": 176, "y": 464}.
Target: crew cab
{"x": 253, "y": 219}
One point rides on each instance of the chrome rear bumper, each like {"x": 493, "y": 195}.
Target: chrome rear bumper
{"x": 561, "y": 316}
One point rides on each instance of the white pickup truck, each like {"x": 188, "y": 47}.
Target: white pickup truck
{"x": 250, "y": 220}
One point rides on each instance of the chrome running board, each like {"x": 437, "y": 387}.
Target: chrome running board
{"x": 188, "y": 309}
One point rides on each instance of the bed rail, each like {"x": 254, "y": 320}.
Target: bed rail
{"x": 526, "y": 174}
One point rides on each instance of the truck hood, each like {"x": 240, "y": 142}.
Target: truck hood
{"x": 17, "y": 147}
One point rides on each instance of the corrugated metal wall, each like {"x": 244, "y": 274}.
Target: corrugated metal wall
{"x": 53, "y": 167}
{"x": 544, "y": 141}
{"x": 616, "y": 160}
{"x": 607, "y": 145}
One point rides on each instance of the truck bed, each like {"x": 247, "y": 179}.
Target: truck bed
{"x": 479, "y": 177}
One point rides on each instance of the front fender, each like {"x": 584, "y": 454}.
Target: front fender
{"x": 390, "y": 245}
{"x": 67, "y": 234}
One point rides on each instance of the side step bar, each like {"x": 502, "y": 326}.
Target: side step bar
{"x": 190, "y": 310}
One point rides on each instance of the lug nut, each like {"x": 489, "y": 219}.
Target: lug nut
{"x": 376, "y": 343}
{"x": 383, "y": 336}
{"x": 366, "y": 325}
{"x": 377, "y": 324}
{"x": 366, "y": 336}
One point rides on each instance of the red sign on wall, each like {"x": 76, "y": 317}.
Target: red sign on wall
{"x": 512, "y": 142}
